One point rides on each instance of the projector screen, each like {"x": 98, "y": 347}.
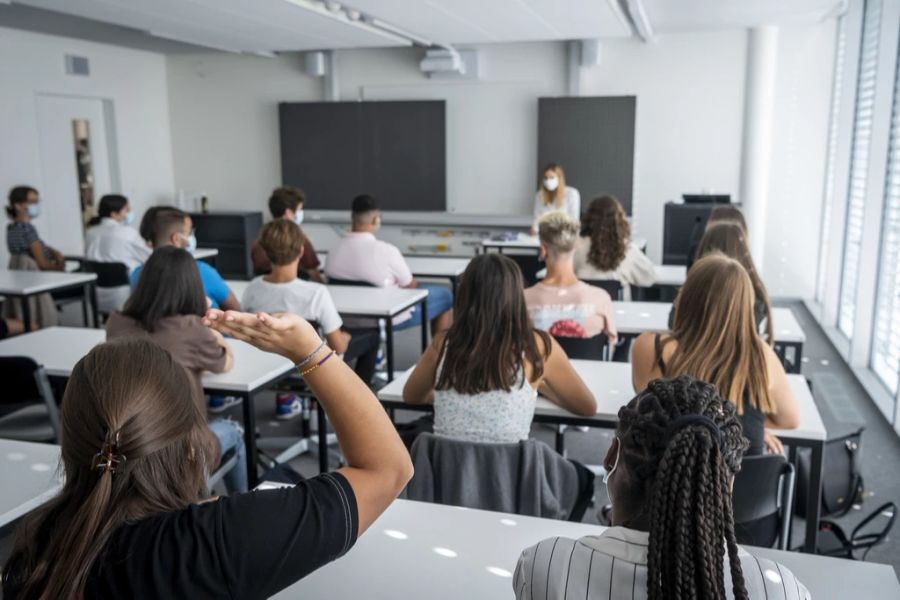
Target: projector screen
{"x": 592, "y": 138}
{"x": 394, "y": 151}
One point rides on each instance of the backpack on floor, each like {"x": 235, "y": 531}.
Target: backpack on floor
{"x": 842, "y": 483}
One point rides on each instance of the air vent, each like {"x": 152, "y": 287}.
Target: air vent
{"x": 77, "y": 65}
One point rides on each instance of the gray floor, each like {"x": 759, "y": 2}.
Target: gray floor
{"x": 840, "y": 395}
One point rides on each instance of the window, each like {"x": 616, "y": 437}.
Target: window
{"x": 859, "y": 163}
{"x": 886, "y": 337}
{"x": 831, "y": 156}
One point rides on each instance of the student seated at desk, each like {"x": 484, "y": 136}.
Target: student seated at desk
{"x": 133, "y": 520}
{"x": 281, "y": 291}
{"x": 287, "y": 203}
{"x": 730, "y": 239}
{"x": 714, "y": 338}
{"x": 359, "y": 256}
{"x": 669, "y": 469}
{"x": 605, "y": 250}
{"x": 484, "y": 374}
{"x": 167, "y": 306}
{"x": 111, "y": 238}
{"x": 723, "y": 213}
{"x": 27, "y": 252}
{"x": 561, "y": 304}
{"x": 169, "y": 226}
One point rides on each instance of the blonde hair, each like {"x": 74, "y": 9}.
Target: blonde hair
{"x": 716, "y": 333}
{"x": 558, "y": 231}
{"x": 558, "y": 197}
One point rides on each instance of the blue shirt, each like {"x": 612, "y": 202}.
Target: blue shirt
{"x": 215, "y": 287}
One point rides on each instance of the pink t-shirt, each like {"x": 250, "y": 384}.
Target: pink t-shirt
{"x": 359, "y": 256}
{"x": 579, "y": 310}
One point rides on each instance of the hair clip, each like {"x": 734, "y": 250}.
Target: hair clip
{"x": 109, "y": 458}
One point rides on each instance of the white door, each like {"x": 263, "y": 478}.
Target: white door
{"x": 61, "y": 220}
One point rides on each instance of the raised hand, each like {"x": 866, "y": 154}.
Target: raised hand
{"x": 284, "y": 333}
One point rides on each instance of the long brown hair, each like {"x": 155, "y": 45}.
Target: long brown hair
{"x": 730, "y": 239}
{"x": 558, "y": 197}
{"x": 716, "y": 333}
{"x": 606, "y": 224}
{"x": 727, "y": 213}
{"x": 682, "y": 444}
{"x": 492, "y": 336}
{"x": 130, "y": 400}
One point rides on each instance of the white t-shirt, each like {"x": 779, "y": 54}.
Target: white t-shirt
{"x": 571, "y": 205}
{"x": 305, "y": 298}
{"x": 111, "y": 241}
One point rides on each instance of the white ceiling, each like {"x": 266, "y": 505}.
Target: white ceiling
{"x": 265, "y": 26}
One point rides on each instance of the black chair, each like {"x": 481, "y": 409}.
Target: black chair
{"x": 592, "y": 348}
{"x": 529, "y": 264}
{"x": 612, "y": 286}
{"x": 29, "y": 411}
{"x": 871, "y": 531}
{"x": 762, "y": 497}
{"x": 109, "y": 274}
{"x": 335, "y": 281}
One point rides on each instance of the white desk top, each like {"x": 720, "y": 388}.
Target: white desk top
{"x": 425, "y": 266}
{"x": 360, "y": 301}
{"x": 27, "y": 283}
{"x": 201, "y": 253}
{"x": 398, "y": 557}
{"x": 59, "y": 348}
{"x": 670, "y": 274}
{"x": 610, "y": 382}
{"x": 522, "y": 241}
{"x": 29, "y": 473}
{"x": 638, "y": 317}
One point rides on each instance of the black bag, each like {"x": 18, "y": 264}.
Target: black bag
{"x": 833, "y": 541}
{"x": 842, "y": 483}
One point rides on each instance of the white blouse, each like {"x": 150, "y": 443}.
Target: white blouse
{"x": 635, "y": 269}
{"x": 571, "y": 205}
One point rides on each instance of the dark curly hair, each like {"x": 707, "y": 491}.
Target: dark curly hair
{"x": 682, "y": 477}
{"x": 606, "y": 223}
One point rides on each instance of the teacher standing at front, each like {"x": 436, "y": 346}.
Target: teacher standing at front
{"x": 553, "y": 194}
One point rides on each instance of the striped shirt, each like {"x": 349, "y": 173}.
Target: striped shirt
{"x": 613, "y": 566}
{"x": 19, "y": 237}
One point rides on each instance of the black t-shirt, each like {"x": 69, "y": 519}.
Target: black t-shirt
{"x": 244, "y": 546}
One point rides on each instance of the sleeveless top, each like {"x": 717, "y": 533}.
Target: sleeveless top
{"x": 495, "y": 416}
{"x": 753, "y": 419}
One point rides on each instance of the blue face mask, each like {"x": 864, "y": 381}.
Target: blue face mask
{"x": 34, "y": 210}
{"x": 298, "y": 217}
{"x": 129, "y": 218}
{"x": 192, "y": 243}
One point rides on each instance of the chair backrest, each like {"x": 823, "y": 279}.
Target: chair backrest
{"x": 612, "y": 286}
{"x": 109, "y": 274}
{"x": 762, "y": 497}
{"x": 592, "y": 348}
{"x": 529, "y": 264}
{"x": 26, "y": 382}
{"x": 335, "y": 281}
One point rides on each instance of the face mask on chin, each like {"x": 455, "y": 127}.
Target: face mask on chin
{"x": 551, "y": 183}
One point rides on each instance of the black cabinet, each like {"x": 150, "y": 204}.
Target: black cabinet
{"x": 231, "y": 233}
{"x": 683, "y": 229}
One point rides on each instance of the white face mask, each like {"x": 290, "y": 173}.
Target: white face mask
{"x": 34, "y": 210}
{"x": 191, "y": 242}
{"x": 298, "y": 217}
{"x": 551, "y": 183}
{"x": 607, "y": 475}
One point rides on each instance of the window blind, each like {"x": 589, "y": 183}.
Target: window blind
{"x": 886, "y": 336}
{"x": 859, "y": 163}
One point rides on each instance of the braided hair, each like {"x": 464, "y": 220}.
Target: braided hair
{"x": 683, "y": 473}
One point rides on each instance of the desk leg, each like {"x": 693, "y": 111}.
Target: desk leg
{"x": 85, "y": 296}
{"x": 561, "y": 440}
{"x": 323, "y": 437}
{"x": 26, "y": 312}
{"x": 798, "y": 357}
{"x": 90, "y": 295}
{"x": 814, "y": 497}
{"x": 453, "y": 281}
{"x": 425, "y": 324}
{"x": 250, "y": 439}
{"x": 792, "y": 458}
{"x": 389, "y": 346}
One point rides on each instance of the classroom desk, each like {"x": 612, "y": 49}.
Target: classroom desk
{"x": 610, "y": 382}
{"x": 30, "y": 477}
{"x": 59, "y": 348}
{"x": 398, "y": 558}
{"x": 531, "y": 242}
{"x": 431, "y": 267}
{"x": 207, "y": 254}
{"x": 670, "y": 275}
{"x": 635, "y": 318}
{"x": 371, "y": 303}
{"x": 25, "y": 284}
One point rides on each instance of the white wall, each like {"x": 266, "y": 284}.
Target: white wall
{"x": 133, "y": 82}
{"x": 690, "y": 102}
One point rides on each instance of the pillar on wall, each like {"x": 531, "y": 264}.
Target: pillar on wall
{"x": 573, "y": 68}
{"x": 331, "y": 82}
{"x": 759, "y": 108}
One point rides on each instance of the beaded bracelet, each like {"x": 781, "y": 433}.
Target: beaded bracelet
{"x": 309, "y": 357}
{"x": 317, "y": 365}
